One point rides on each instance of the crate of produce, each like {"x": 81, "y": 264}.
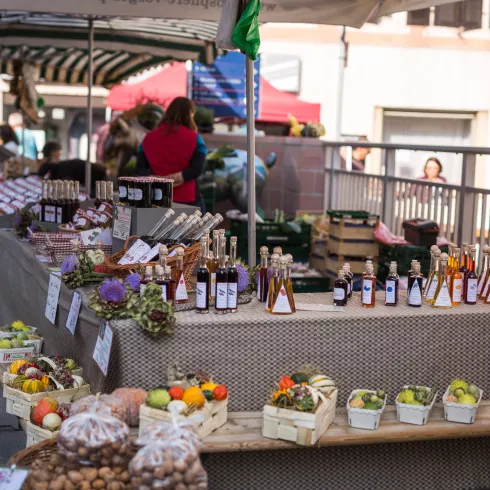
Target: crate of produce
{"x": 352, "y": 225}
{"x": 37, "y": 434}
{"x": 414, "y": 404}
{"x": 365, "y": 407}
{"x": 461, "y": 401}
{"x": 7, "y": 356}
{"x": 301, "y": 409}
{"x": 357, "y": 265}
{"x": 352, "y": 247}
{"x": 8, "y": 330}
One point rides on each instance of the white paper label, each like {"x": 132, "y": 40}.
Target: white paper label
{"x": 390, "y": 292}
{"x": 132, "y": 256}
{"x": 149, "y": 255}
{"x": 338, "y": 294}
{"x": 59, "y": 215}
{"x": 158, "y": 195}
{"x": 49, "y": 214}
{"x": 232, "y": 294}
{"x": 213, "y": 284}
{"x": 201, "y": 290}
{"x": 471, "y": 291}
{"x": 102, "y": 351}
{"x": 103, "y": 218}
{"x": 481, "y": 281}
{"x": 123, "y": 191}
{"x": 131, "y": 194}
{"x": 222, "y": 295}
{"x": 443, "y": 299}
{"x": 12, "y": 479}
{"x": 282, "y": 302}
{"x": 181, "y": 291}
{"x": 122, "y": 222}
{"x": 414, "y": 295}
{"x": 457, "y": 290}
{"x": 138, "y": 194}
{"x": 71, "y": 322}
{"x": 367, "y": 292}
{"x": 90, "y": 213}
{"x": 52, "y": 298}
{"x": 432, "y": 288}
{"x": 164, "y": 292}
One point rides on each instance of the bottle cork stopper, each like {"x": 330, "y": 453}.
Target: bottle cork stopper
{"x": 158, "y": 269}
{"x": 434, "y": 248}
{"x": 341, "y": 273}
{"x": 170, "y": 212}
{"x": 486, "y": 248}
{"x": 215, "y": 232}
{"x": 206, "y": 231}
{"x": 198, "y": 213}
{"x": 264, "y": 251}
{"x": 277, "y": 250}
{"x": 283, "y": 261}
{"x": 416, "y": 268}
{"x": 444, "y": 257}
{"x": 168, "y": 269}
{"x": 149, "y": 270}
{"x": 289, "y": 257}
{"x": 222, "y": 232}
{"x": 179, "y": 251}
{"x": 233, "y": 239}
{"x": 275, "y": 258}
{"x": 437, "y": 253}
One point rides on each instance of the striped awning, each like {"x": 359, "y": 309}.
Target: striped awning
{"x": 58, "y": 45}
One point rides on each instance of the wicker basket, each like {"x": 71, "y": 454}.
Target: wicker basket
{"x": 43, "y": 450}
{"x": 191, "y": 256}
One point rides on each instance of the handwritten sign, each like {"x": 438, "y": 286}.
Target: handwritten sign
{"x": 102, "y": 351}
{"x": 12, "y": 479}
{"x": 71, "y": 322}
{"x": 53, "y": 297}
{"x": 122, "y": 222}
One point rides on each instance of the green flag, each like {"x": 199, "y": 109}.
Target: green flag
{"x": 246, "y": 35}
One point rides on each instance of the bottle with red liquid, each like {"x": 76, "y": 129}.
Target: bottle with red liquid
{"x": 180, "y": 290}
{"x": 340, "y": 290}
{"x": 203, "y": 279}
{"x": 263, "y": 286}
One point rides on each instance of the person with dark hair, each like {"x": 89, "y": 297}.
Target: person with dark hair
{"x": 433, "y": 171}
{"x": 175, "y": 150}
{"x": 8, "y": 139}
{"x": 51, "y": 152}
{"x": 359, "y": 155}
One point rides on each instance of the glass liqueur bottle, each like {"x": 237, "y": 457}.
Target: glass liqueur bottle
{"x": 289, "y": 282}
{"x": 274, "y": 281}
{"x": 160, "y": 281}
{"x": 340, "y": 290}
{"x": 464, "y": 265}
{"x": 263, "y": 285}
{"x": 348, "y": 277}
{"x": 442, "y": 298}
{"x": 49, "y": 208}
{"x": 415, "y": 287}
{"x": 221, "y": 303}
{"x": 147, "y": 278}
{"x": 471, "y": 279}
{"x": 213, "y": 263}
{"x": 484, "y": 269}
{"x": 76, "y": 196}
{"x": 451, "y": 261}
{"x": 203, "y": 281}
{"x": 170, "y": 284}
{"x": 432, "y": 286}
{"x": 232, "y": 277}
{"x": 392, "y": 286}
{"x": 43, "y": 201}
{"x": 456, "y": 285}
{"x": 97, "y": 201}
{"x": 59, "y": 201}
{"x": 368, "y": 294}
{"x": 181, "y": 290}
{"x": 282, "y": 302}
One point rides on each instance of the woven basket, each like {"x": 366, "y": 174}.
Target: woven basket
{"x": 64, "y": 229}
{"x": 191, "y": 256}
{"x": 42, "y": 450}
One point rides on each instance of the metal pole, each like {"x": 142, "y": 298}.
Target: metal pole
{"x": 462, "y": 199}
{"x": 249, "y": 65}
{"x": 340, "y": 86}
{"x": 88, "y": 164}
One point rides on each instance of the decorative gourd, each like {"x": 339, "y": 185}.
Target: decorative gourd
{"x": 18, "y": 382}
{"x": 32, "y": 386}
{"x": 132, "y": 399}
{"x": 45, "y": 381}
{"x": 14, "y": 367}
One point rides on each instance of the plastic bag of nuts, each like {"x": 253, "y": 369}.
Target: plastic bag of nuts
{"x": 171, "y": 464}
{"x": 107, "y": 403}
{"x": 94, "y": 437}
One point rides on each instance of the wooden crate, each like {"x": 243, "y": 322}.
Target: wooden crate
{"x": 215, "y": 415}
{"x": 8, "y": 356}
{"x": 302, "y": 428}
{"x": 353, "y": 248}
{"x": 335, "y": 263}
{"x": 20, "y": 404}
{"x": 349, "y": 231}
{"x": 37, "y": 434}
{"x": 9, "y": 377}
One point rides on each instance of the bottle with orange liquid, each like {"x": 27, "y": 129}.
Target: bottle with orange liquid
{"x": 180, "y": 289}
{"x": 273, "y": 283}
{"x": 368, "y": 289}
{"x": 456, "y": 287}
{"x": 282, "y": 301}
{"x": 442, "y": 298}
{"x": 433, "y": 280}
{"x": 430, "y": 275}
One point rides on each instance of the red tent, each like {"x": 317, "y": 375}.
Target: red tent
{"x": 171, "y": 82}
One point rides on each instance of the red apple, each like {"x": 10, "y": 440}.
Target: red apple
{"x": 41, "y": 409}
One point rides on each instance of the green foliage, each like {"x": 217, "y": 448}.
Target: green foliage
{"x": 155, "y": 315}
{"x": 127, "y": 308}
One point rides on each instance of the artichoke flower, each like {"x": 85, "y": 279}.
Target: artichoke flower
{"x": 155, "y": 315}
{"x": 113, "y": 299}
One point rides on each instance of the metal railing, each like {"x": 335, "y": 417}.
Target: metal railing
{"x": 462, "y": 211}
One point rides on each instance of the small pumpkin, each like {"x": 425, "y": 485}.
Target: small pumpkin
{"x": 45, "y": 381}
{"x": 32, "y": 386}
{"x": 18, "y": 382}
{"x": 14, "y": 367}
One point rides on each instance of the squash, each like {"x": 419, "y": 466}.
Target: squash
{"x": 45, "y": 381}
{"x": 32, "y": 386}
{"x": 14, "y": 367}
{"x": 18, "y": 382}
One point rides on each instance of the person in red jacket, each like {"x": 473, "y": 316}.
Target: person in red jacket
{"x": 175, "y": 150}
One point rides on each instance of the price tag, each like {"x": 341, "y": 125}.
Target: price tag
{"x": 12, "y": 479}
{"x": 102, "y": 351}
{"x": 313, "y": 307}
{"x": 122, "y": 222}
{"x": 53, "y": 297}
{"x": 71, "y": 322}
{"x": 43, "y": 259}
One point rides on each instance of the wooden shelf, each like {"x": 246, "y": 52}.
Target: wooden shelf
{"x": 243, "y": 431}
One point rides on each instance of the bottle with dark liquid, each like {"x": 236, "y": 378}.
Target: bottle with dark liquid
{"x": 273, "y": 283}
{"x": 170, "y": 284}
{"x": 42, "y": 203}
{"x": 221, "y": 303}
{"x": 59, "y": 202}
{"x": 147, "y": 278}
{"x": 349, "y": 277}
{"x": 77, "y": 196}
{"x": 263, "y": 286}
{"x": 281, "y": 303}
{"x": 98, "y": 201}
{"x": 368, "y": 289}
{"x": 289, "y": 282}
{"x": 232, "y": 278}
{"x": 49, "y": 209}
{"x": 69, "y": 201}
{"x": 471, "y": 279}
{"x": 340, "y": 290}
{"x": 392, "y": 286}
{"x": 213, "y": 264}
{"x": 415, "y": 287}
{"x": 181, "y": 290}
{"x": 203, "y": 281}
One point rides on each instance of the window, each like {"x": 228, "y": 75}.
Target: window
{"x": 467, "y": 14}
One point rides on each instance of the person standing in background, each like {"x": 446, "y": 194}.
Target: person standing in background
{"x": 359, "y": 155}
{"x": 27, "y": 142}
{"x": 8, "y": 139}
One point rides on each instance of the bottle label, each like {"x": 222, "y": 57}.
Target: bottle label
{"x": 432, "y": 288}
{"x": 415, "y": 296}
{"x": 49, "y": 214}
{"x": 144, "y": 259}
{"x": 213, "y": 284}
{"x": 282, "y": 302}
{"x": 123, "y": 191}
{"x": 164, "y": 292}
{"x": 443, "y": 298}
{"x": 90, "y": 213}
{"x": 457, "y": 290}
{"x": 142, "y": 289}
{"x": 471, "y": 292}
{"x": 232, "y": 294}
{"x": 158, "y": 195}
{"x": 181, "y": 291}
{"x": 59, "y": 215}
{"x": 481, "y": 281}
{"x": 367, "y": 292}
{"x": 132, "y": 256}
{"x": 201, "y": 289}
{"x": 131, "y": 193}
{"x": 222, "y": 295}
{"x": 390, "y": 292}
{"x": 338, "y": 294}
{"x": 485, "y": 288}
{"x": 138, "y": 194}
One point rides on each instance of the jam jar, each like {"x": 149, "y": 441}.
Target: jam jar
{"x": 143, "y": 191}
{"x": 161, "y": 192}
{"x": 123, "y": 190}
